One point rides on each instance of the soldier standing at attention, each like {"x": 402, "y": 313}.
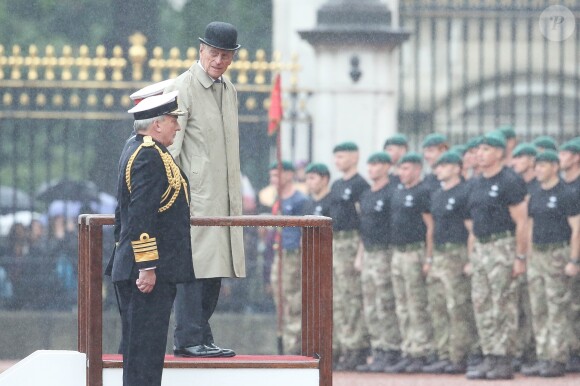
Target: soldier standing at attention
{"x": 452, "y": 312}
{"x": 433, "y": 146}
{"x": 292, "y": 204}
{"x": 498, "y": 212}
{"x": 396, "y": 147}
{"x": 411, "y": 221}
{"x": 554, "y": 212}
{"x": 317, "y": 182}
{"x": 522, "y": 162}
{"x": 351, "y": 331}
{"x": 374, "y": 262}
{"x": 569, "y": 156}
{"x": 470, "y": 168}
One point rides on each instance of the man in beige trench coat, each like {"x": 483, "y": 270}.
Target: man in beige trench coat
{"x": 207, "y": 149}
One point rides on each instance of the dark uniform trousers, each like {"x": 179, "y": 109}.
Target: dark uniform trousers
{"x": 194, "y": 305}
{"x": 145, "y": 319}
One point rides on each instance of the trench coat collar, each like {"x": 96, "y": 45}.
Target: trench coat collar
{"x": 205, "y": 80}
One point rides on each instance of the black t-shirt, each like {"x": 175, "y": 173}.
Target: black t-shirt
{"x": 532, "y": 185}
{"x": 490, "y": 199}
{"x": 575, "y": 185}
{"x": 407, "y": 208}
{"x": 550, "y": 210}
{"x": 344, "y": 195}
{"x": 431, "y": 182}
{"x": 318, "y": 208}
{"x": 449, "y": 209}
{"x": 394, "y": 180}
{"x": 375, "y": 216}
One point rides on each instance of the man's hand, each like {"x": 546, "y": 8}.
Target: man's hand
{"x": 519, "y": 268}
{"x": 571, "y": 269}
{"x": 467, "y": 269}
{"x": 146, "y": 281}
{"x": 426, "y": 268}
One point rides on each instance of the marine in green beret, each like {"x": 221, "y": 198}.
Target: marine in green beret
{"x": 286, "y": 166}
{"x": 397, "y": 139}
{"x": 379, "y": 157}
{"x": 523, "y": 161}
{"x": 507, "y": 131}
{"x": 345, "y": 146}
{"x": 494, "y": 139}
{"x": 524, "y": 149}
{"x": 318, "y": 168}
{"x": 548, "y": 156}
{"x": 411, "y": 157}
{"x": 544, "y": 142}
{"x": 459, "y": 149}
{"x": 449, "y": 157}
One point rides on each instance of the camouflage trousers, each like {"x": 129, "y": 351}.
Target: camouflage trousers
{"x": 411, "y": 302}
{"x": 525, "y": 342}
{"x": 550, "y": 298}
{"x": 574, "y": 315}
{"x": 349, "y": 325}
{"x": 493, "y": 291}
{"x": 450, "y": 305}
{"x": 291, "y": 298}
{"x": 379, "y": 300}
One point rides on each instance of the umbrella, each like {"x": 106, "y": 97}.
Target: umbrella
{"x": 68, "y": 190}
{"x": 12, "y": 199}
{"x": 21, "y": 217}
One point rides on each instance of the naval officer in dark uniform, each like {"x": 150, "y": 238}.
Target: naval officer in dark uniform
{"x": 153, "y": 250}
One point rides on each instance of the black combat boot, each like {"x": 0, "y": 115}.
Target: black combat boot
{"x": 480, "y": 371}
{"x": 352, "y": 359}
{"x": 503, "y": 368}
{"x": 553, "y": 369}
{"x": 399, "y": 367}
{"x": 534, "y": 369}
{"x": 437, "y": 367}
{"x": 416, "y": 365}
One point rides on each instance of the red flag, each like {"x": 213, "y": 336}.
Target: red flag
{"x": 275, "y": 112}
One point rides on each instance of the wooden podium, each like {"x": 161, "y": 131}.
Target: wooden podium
{"x": 316, "y": 300}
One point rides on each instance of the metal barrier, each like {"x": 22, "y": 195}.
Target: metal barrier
{"x": 316, "y": 285}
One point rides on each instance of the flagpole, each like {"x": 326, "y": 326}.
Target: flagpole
{"x": 274, "y": 125}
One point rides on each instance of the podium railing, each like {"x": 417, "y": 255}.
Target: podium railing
{"x": 316, "y": 285}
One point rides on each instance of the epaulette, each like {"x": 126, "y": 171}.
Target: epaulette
{"x": 148, "y": 141}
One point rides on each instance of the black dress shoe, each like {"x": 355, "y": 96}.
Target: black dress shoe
{"x": 199, "y": 351}
{"x": 225, "y": 352}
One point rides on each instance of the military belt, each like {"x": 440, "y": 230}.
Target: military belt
{"x": 447, "y": 247}
{"x": 376, "y": 248}
{"x": 344, "y": 234}
{"x": 410, "y": 247}
{"x": 550, "y": 246}
{"x": 494, "y": 237}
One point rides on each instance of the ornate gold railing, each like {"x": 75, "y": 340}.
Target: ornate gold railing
{"x": 95, "y": 81}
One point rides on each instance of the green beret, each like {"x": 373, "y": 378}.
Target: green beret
{"x": 459, "y": 149}
{"x": 411, "y": 157}
{"x": 523, "y": 149}
{"x": 507, "y": 131}
{"x": 434, "y": 139}
{"x": 494, "y": 138}
{"x": 548, "y": 156}
{"x": 572, "y": 146}
{"x": 379, "y": 158}
{"x": 345, "y": 146}
{"x": 473, "y": 143}
{"x": 397, "y": 139}
{"x": 546, "y": 142}
{"x": 286, "y": 166}
{"x": 449, "y": 157}
{"x": 318, "y": 168}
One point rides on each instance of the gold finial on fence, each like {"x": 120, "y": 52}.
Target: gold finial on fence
{"x": 157, "y": 63}
{"x": 174, "y": 62}
{"x": 100, "y": 63}
{"x": 83, "y": 62}
{"x": 294, "y": 68}
{"x": 66, "y": 62}
{"x": 15, "y": 61}
{"x": 117, "y": 63}
{"x": 32, "y": 61}
{"x": 49, "y": 62}
{"x": 191, "y": 57}
{"x": 242, "y": 64}
{"x": 260, "y": 65}
{"x": 137, "y": 54}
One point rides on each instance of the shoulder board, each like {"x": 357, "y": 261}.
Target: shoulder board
{"x": 148, "y": 141}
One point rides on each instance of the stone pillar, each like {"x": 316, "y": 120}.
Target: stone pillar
{"x": 356, "y": 75}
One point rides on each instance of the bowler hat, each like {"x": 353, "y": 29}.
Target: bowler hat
{"x": 221, "y": 35}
